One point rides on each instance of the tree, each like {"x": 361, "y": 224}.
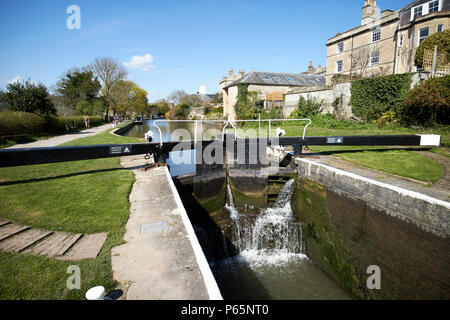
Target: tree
{"x": 77, "y": 85}
{"x": 127, "y": 96}
{"x": 2, "y": 100}
{"x": 61, "y": 105}
{"x": 361, "y": 63}
{"x": 217, "y": 99}
{"x": 110, "y": 72}
{"x": 160, "y": 107}
{"x": 29, "y": 97}
{"x": 177, "y": 97}
{"x": 140, "y": 101}
{"x": 440, "y": 39}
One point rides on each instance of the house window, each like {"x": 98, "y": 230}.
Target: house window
{"x": 440, "y": 28}
{"x": 423, "y": 34}
{"x": 433, "y": 6}
{"x": 339, "y": 66}
{"x": 418, "y": 12}
{"x": 376, "y": 35}
{"x": 340, "y": 47}
{"x": 374, "y": 58}
{"x": 402, "y": 37}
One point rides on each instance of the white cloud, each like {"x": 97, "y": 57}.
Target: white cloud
{"x": 3, "y": 84}
{"x": 141, "y": 62}
{"x": 14, "y": 80}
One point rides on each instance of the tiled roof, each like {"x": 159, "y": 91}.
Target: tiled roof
{"x": 280, "y": 79}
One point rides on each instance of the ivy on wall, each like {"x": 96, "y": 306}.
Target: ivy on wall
{"x": 246, "y": 105}
{"x": 371, "y": 97}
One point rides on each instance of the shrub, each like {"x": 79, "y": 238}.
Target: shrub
{"x": 307, "y": 108}
{"x": 440, "y": 39}
{"x": 245, "y": 107}
{"x": 12, "y": 122}
{"x": 29, "y": 97}
{"x": 372, "y": 97}
{"x": 428, "y": 103}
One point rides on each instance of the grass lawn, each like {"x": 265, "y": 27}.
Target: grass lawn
{"x": 400, "y": 162}
{"x": 86, "y": 196}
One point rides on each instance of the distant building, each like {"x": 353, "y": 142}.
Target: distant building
{"x": 270, "y": 86}
{"x": 312, "y": 70}
{"x": 385, "y": 43}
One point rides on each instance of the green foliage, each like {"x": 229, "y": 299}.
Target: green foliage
{"x": 78, "y": 85}
{"x": 12, "y": 122}
{"x": 372, "y": 97}
{"x": 180, "y": 112}
{"x": 159, "y": 108}
{"x": 306, "y": 108}
{"x": 29, "y": 97}
{"x": 440, "y": 39}
{"x": 428, "y": 103}
{"x": 388, "y": 118}
{"x": 217, "y": 99}
{"x": 272, "y": 113}
{"x": 245, "y": 107}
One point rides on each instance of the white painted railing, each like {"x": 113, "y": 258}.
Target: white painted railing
{"x": 227, "y": 124}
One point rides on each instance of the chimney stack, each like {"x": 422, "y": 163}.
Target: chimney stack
{"x": 370, "y": 12}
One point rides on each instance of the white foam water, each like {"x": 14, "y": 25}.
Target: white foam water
{"x": 274, "y": 238}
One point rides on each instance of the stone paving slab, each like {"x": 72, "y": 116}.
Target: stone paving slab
{"x": 11, "y": 229}
{"x": 87, "y": 247}
{"x": 4, "y": 222}
{"x": 23, "y": 240}
{"x": 54, "y": 245}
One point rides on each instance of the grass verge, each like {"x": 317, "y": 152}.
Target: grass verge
{"x": 81, "y": 196}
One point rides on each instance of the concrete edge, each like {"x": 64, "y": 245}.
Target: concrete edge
{"x": 402, "y": 191}
{"x": 208, "y": 277}
{"x": 122, "y": 129}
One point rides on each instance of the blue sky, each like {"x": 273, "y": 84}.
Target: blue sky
{"x": 178, "y": 44}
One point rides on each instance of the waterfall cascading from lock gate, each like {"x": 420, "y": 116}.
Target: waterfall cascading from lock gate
{"x": 275, "y": 236}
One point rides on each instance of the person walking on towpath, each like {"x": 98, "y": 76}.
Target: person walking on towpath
{"x": 86, "y": 121}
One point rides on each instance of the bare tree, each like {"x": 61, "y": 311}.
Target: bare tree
{"x": 177, "y": 97}
{"x": 360, "y": 62}
{"x": 110, "y": 72}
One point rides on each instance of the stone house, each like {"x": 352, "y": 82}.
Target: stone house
{"x": 270, "y": 87}
{"x": 385, "y": 43}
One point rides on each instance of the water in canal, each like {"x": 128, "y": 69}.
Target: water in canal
{"x": 255, "y": 249}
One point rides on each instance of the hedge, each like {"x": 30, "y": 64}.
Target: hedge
{"x": 16, "y": 122}
{"x": 13, "y": 123}
{"x": 371, "y": 97}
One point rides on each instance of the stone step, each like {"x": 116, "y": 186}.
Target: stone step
{"x": 54, "y": 245}
{"x": 23, "y": 240}
{"x": 11, "y": 229}
{"x": 87, "y": 247}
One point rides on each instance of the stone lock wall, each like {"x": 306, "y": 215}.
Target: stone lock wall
{"x": 351, "y": 224}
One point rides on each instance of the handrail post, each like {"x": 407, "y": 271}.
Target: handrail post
{"x": 270, "y": 128}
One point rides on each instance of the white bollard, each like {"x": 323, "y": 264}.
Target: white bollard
{"x": 96, "y": 293}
